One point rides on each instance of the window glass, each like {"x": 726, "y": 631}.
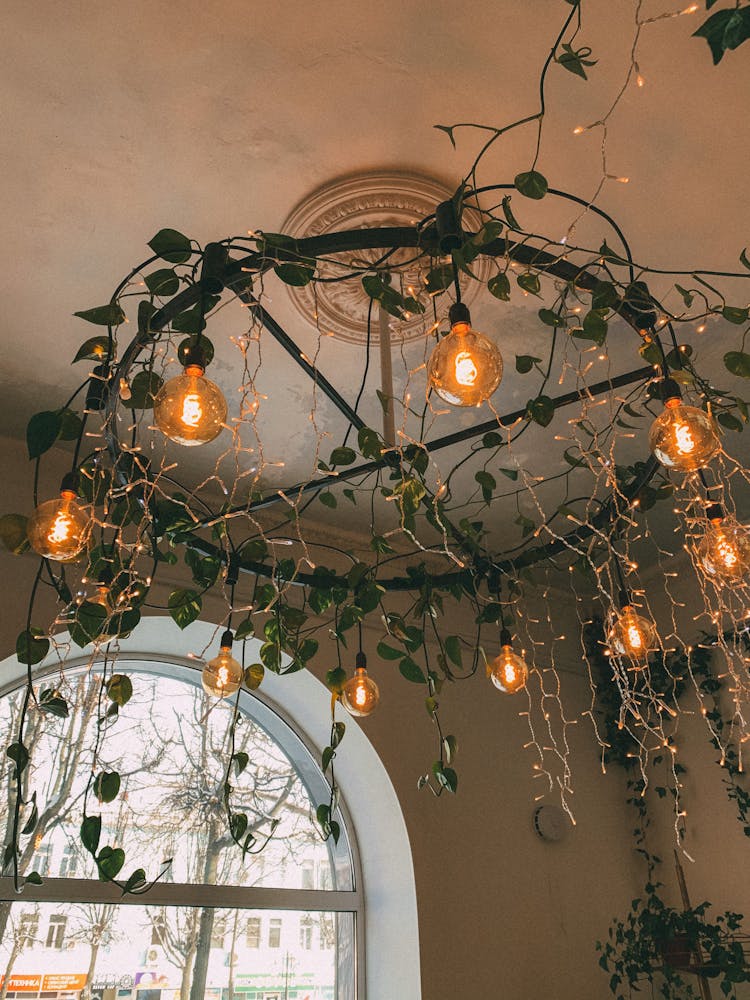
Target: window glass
{"x": 170, "y": 746}
{"x": 110, "y": 947}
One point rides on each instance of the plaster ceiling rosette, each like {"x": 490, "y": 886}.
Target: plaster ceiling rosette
{"x": 382, "y": 198}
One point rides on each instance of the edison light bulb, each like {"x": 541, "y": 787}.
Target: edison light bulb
{"x": 465, "y": 367}
{"x": 360, "y": 694}
{"x": 632, "y": 635}
{"x": 682, "y": 437}
{"x": 508, "y": 671}
{"x": 190, "y": 409}
{"x": 222, "y": 676}
{"x": 58, "y": 528}
{"x": 724, "y": 551}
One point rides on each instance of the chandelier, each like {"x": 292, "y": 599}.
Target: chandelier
{"x": 643, "y": 451}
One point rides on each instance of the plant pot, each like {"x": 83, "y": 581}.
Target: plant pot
{"x": 678, "y": 953}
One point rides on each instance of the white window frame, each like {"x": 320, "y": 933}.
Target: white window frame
{"x": 379, "y": 841}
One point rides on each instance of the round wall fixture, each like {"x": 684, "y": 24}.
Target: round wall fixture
{"x": 372, "y": 200}
{"x": 551, "y": 823}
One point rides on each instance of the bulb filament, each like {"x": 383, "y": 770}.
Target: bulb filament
{"x": 634, "y": 637}
{"x": 60, "y": 530}
{"x": 466, "y": 370}
{"x": 192, "y": 411}
{"x": 684, "y": 438}
{"x": 727, "y": 553}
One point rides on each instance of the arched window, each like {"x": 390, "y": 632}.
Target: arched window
{"x": 285, "y": 924}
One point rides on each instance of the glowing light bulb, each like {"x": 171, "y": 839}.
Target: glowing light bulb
{"x": 465, "y": 367}
{"x": 360, "y": 695}
{"x": 683, "y": 437}
{"x": 632, "y": 635}
{"x": 190, "y": 409}
{"x": 58, "y": 529}
{"x": 724, "y": 550}
{"x": 508, "y": 671}
{"x": 222, "y": 676}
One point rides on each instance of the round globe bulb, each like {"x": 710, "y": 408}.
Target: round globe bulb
{"x": 222, "y": 676}
{"x": 465, "y": 367}
{"x": 683, "y": 437}
{"x": 190, "y": 409}
{"x": 58, "y": 528}
{"x": 724, "y": 551}
{"x": 508, "y": 671}
{"x": 632, "y": 635}
{"x": 361, "y": 694}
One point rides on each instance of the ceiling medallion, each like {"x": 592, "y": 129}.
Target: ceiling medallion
{"x": 367, "y": 201}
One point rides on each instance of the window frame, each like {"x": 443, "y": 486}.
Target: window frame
{"x": 270, "y": 717}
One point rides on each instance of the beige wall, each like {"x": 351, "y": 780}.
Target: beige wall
{"x": 502, "y": 913}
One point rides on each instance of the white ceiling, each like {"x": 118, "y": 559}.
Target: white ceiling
{"x": 215, "y": 118}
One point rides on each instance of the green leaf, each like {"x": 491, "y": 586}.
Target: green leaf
{"x": 31, "y": 647}
{"x": 143, "y": 389}
{"x": 412, "y": 671}
{"x": 18, "y": 753}
{"x": 499, "y": 286}
{"x": 529, "y": 282}
{"x": 328, "y": 499}
{"x": 574, "y": 60}
{"x": 725, "y": 30}
{"x": 386, "y": 652}
{"x": 254, "y": 675}
{"x": 88, "y": 623}
{"x": 541, "y": 410}
{"x": 91, "y": 831}
{"x": 241, "y": 760}
{"x": 595, "y": 327}
{"x": 328, "y": 754}
{"x": 135, "y": 881}
{"x": 13, "y": 533}
{"x": 107, "y": 786}
{"x": 738, "y": 363}
{"x": 52, "y": 702}
{"x": 192, "y": 321}
{"x": 729, "y": 421}
{"x": 337, "y": 733}
{"x": 551, "y": 318}
{"x": 32, "y": 819}
{"x": 510, "y": 473}
{"x": 343, "y": 456}
{"x": 93, "y": 349}
{"x": 42, "y": 431}
{"x": 438, "y": 279}
{"x": 450, "y": 747}
{"x": 508, "y": 213}
{"x": 733, "y": 314}
{"x": 184, "y": 606}
{"x": 492, "y": 440}
{"x": 171, "y": 246}
{"x": 744, "y": 259}
{"x": 109, "y": 861}
{"x": 34, "y": 878}
{"x": 163, "y": 282}
{"x": 120, "y": 689}
{"x": 335, "y": 680}
{"x": 604, "y": 295}
{"x": 525, "y": 362}
{"x": 488, "y": 233}
{"x": 109, "y": 315}
{"x": 687, "y": 297}
{"x": 531, "y": 184}
{"x": 297, "y": 275}
{"x": 453, "y": 649}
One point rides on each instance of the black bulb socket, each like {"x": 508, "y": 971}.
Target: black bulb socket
{"x": 448, "y": 225}
{"x": 506, "y": 639}
{"x": 194, "y": 354}
{"x": 215, "y": 258}
{"x": 105, "y": 577}
{"x": 69, "y": 483}
{"x": 623, "y": 598}
{"x": 669, "y": 389}
{"x": 360, "y": 661}
{"x": 715, "y": 512}
{"x": 227, "y": 639}
{"x": 459, "y": 313}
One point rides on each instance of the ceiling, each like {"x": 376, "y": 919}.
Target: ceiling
{"x": 215, "y": 118}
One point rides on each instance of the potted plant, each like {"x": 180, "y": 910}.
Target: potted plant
{"x": 655, "y": 942}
